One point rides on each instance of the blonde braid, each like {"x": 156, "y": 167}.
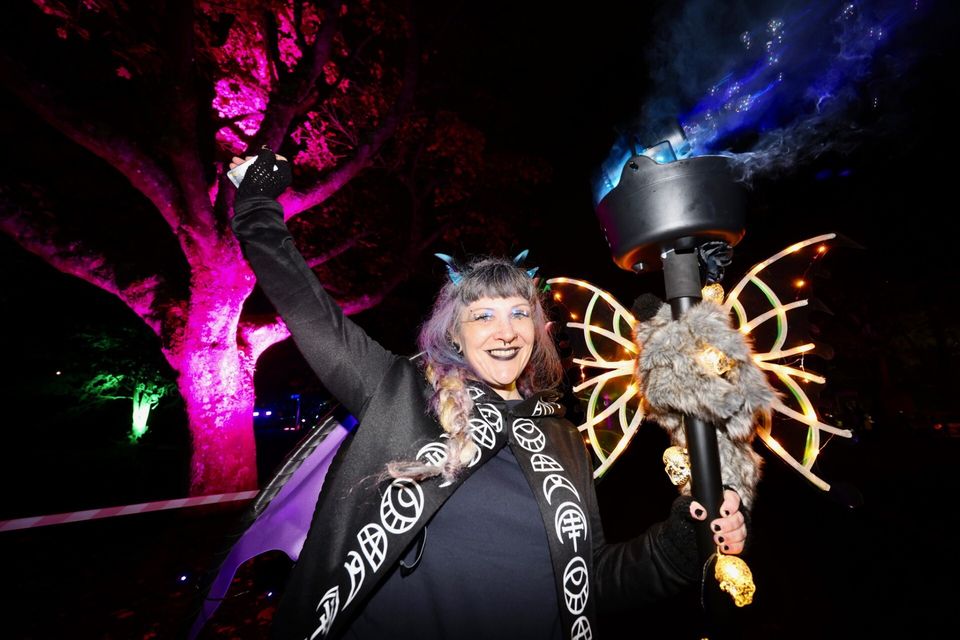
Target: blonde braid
{"x": 452, "y": 406}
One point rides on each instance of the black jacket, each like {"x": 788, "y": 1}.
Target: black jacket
{"x": 363, "y": 523}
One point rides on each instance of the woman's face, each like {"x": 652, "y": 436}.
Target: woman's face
{"x": 497, "y": 336}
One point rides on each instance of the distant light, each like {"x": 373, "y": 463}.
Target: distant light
{"x": 59, "y": 372}
{"x": 557, "y": 296}
{"x": 269, "y": 413}
{"x": 294, "y": 396}
{"x": 822, "y": 248}
{"x": 573, "y": 316}
{"x": 269, "y": 594}
{"x": 256, "y": 414}
{"x": 183, "y": 578}
{"x": 303, "y": 419}
{"x": 799, "y": 283}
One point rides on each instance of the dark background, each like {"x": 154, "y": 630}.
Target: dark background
{"x": 555, "y": 82}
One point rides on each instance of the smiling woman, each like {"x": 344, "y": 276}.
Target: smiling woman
{"x": 468, "y": 442}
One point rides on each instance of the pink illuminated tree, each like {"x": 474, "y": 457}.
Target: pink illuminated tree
{"x": 163, "y": 93}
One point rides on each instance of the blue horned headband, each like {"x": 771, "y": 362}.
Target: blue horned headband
{"x": 456, "y": 277}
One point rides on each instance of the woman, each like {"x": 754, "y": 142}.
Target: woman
{"x": 463, "y": 506}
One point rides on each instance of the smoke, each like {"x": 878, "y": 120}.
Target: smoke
{"x": 771, "y": 84}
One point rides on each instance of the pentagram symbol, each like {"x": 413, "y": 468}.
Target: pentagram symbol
{"x": 570, "y": 522}
{"x": 401, "y": 505}
{"x": 581, "y": 629}
{"x": 576, "y": 586}
{"x": 492, "y": 415}
{"x": 542, "y": 463}
{"x": 528, "y": 435}
{"x": 434, "y": 453}
{"x": 482, "y": 433}
{"x": 373, "y": 544}
{"x": 357, "y": 572}
{"x": 475, "y": 392}
{"x": 327, "y": 610}
{"x": 556, "y": 481}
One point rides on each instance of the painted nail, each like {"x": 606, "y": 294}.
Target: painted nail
{"x": 716, "y": 527}
{"x": 726, "y": 548}
{"x": 726, "y": 512}
{"x": 698, "y": 512}
{"x": 719, "y": 538}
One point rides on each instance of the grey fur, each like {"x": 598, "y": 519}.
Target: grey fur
{"x": 673, "y": 384}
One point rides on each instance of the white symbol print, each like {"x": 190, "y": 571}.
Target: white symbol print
{"x": 357, "y": 571}
{"x": 373, "y": 544}
{"x": 482, "y": 433}
{"x": 434, "y": 453}
{"x": 556, "y": 481}
{"x": 401, "y": 505}
{"x": 570, "y": 522}
{"x": 581, "y": 629}
{"x": 528, "y": 435}
{"x": 327, "y": 610}
{"x": 542, "y": 463}
{"x": 492, "y": 415}
{"x": 544, "y": 408}
{"x": 576, "y": 587}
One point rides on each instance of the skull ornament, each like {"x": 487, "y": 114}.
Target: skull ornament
{"x": 677, "y": 465}
{"x": 735, "y": 578}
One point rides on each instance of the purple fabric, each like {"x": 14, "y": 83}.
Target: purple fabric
{"x": 282, "y": 526}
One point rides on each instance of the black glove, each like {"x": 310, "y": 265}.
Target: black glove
{"x": 678, "y": 538}
{"x": 262, "y": 180}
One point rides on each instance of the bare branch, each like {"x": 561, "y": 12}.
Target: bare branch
{"x": 341, "y": 248}
{"x": 142, "y": 172}
{"x": 295, "y": 203}
{"x": 261, "y": 336}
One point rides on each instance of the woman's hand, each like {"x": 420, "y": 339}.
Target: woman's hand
{"x": 268, "y": 176}
{"x": 730, "y": 529}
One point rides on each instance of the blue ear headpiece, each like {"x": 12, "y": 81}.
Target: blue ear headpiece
{"x": 456, "y": 277}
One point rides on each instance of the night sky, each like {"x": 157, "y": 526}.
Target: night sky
{"x": 557, "y": 84}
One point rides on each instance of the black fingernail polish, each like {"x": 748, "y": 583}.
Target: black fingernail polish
{"x": 698, "y": 512}
{"x": 719, "y": 538}
{"x": 726, "y": 548}
{"x": 716, "y": 527}
{"x": 726, "y": 512}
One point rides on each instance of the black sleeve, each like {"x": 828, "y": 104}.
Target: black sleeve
{"x": 348, "y": 362}
{"x": 659, "y": 563}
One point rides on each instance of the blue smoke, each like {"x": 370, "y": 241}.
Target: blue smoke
{"x": 785, "y": 85}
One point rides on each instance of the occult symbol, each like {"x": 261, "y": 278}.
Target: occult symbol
{"x": 542, "y": 463}
{"x": 357, "y": 571}
{"x": 373, "y": 544}
{"x": 555, "y": 481}
{"x": 327, "y": 610}
{"x": 544, "y": 408}
{"x": 581, "y": 629}
{"x": 528, "y": 435}
{"x": 433, "y": 453}
{"x": 475, "y": 392}
{"x": 492, "y": 415}
{"x": 576, "y": 586}
{"x": 571, "y": 522}
{"x": 401, "y": 505}
{"x": 482, "y": 433}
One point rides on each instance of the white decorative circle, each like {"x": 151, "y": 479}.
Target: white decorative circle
{"x": 569, "y": 521}
{"x": 492, "y": 415}
{"x": 576, "y": 585}
{"x": 373, "y": 544}
{"x": 581, "y": 629}
{"x": 482, "y": 433}
{"x": 556, "y": 481}
{"x": 401, "y": 505}
{"x": 543, "y": 463}
{"x": 433, "y": 453}
{"x": 357, "y": 572}
{"x": 528, "y": 435}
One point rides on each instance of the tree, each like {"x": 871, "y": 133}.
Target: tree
{"x": 158, "y": 95}
{"x": 178, "y": 88}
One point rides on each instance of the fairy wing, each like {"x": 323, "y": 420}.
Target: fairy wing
{"x": 601, "y": 370}
{"x": 764, "y": 305}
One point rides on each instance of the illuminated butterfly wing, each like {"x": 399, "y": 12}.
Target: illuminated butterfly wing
{"x": 763, "y": 311}
{"x": 602, "y": 329}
